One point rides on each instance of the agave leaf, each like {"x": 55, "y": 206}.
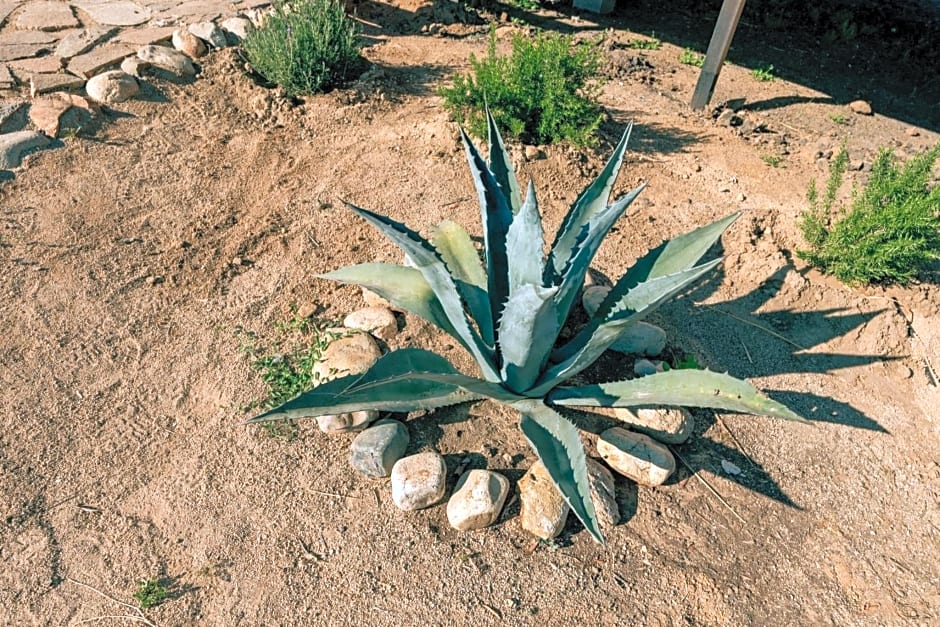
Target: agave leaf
{"x": 496, "y": 216}
{"x": 670, "y": 257}
{"x": 595, "y": 232}
{"x": 591, "y": 201}
{"x": 501, "y": 166}
{"x": 595, "y": 338}
{"x": 527, "y": 331}
{"x": 558, "y": 444}
{"x": 435, "y": 272}
{"x": 403, "y": 287}
{"x": 690, "y": 388}
{"x": 524, "y": 243}
{"x": 401, "y": 381}
{"x": 456, "y": 249}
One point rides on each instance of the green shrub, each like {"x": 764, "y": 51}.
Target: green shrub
{"x": 544, "y": 91}
{"x": 890, "y": 233}
{"x": 307, "y": 46}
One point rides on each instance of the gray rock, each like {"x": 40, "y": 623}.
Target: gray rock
{"x": 209, "y": 32}
{"x": 237, "y": 29}
{"x": 419, "y": 481}
{"x": 375, "y": 450}
{"x": 13, "y": 146}
{"x": 378, "y": 321}
{"x": 188, "y": 44}
{"x": 636, "y": 456}
{"x": 81, "y": 41}
{"x": 112, "y": 87}
{"x": 669, "y": 425}
{"x": 477, "y": 500}
{"x": 645, "y": 367}
{"x": 603, "y": 494}
{"x": 114, "y": 12}
{"x": 544, "y": 511}
{"x": 46, "y": 16}
{"x": 167, "y": 59}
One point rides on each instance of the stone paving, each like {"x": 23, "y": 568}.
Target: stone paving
{"x": 51, "y": 49}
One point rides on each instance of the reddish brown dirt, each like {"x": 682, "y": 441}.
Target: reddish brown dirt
{"x": 122, "y": 446}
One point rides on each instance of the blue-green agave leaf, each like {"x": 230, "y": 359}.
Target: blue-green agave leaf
{"x": 404, "y": 380}
{"x": 435, "y": 272}
{"x": 687, "y": 388}
{"x": 524, "y": 242}
{"x": 676, "y": 255}
{"x": 456, "y": 249}
{"x": 496, "y": 216}
{"x": 501, "y": 166}
{"x": 592, "y": 200}
{"x": 403, "y": 287}
{"x": 595, "y": 231}
{"x": 558, "y": 444}
{"x": 527, "y": 332}
{"x": 594, "y": 339}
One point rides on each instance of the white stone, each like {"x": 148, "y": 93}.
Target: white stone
{"x": 209, "y": 32}
{"x": 188, "y": 44}
{"x": 167, "y": 59}
{"x": 603, "y": 494}
{"x": 477, "y": 500}
{"x": 112, "y": 87}
{"x": 419, "y": 481}
{"x": 544, "y": 510}
{"x": 636, "y": 456}
{"x": 14, "y": 145}
{"x": 134, "y": 66}
{"x": 378, "y": 321}
{"x": 237, "y": 28}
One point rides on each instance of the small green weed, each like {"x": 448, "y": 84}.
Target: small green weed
{"x": 544, "y": 91}
{"x": 305, "y": 46}
{"x": 691, "y": 57}
{"x": 890, "y": 233}
{"x": 525, "y": 5}
{"x": 286, "y": 362}
{"x": 151, "y": 593}
{"x": 645, "y": 44}
{"x": 774, "y": 161}
{"x": 839, "y": 118}
{"x": 764, "y": 74}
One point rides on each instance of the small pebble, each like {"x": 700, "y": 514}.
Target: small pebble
{"x": 477, "y": 500}
{"x": 860, "y": 107}
{"x": 419, "y": 481}
{"x": 379, "y": 321}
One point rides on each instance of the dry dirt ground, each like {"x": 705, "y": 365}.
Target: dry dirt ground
{"x": 123, "y": 450}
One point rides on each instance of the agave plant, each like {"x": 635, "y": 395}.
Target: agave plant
{"x": 508, "y": 311}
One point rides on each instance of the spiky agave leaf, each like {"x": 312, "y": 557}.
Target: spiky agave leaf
{"x": 500, "y": 165}
{"x": 435, "y": 272}
{"x": 404, "y": 380}
{"x": 456, "y": 248}
{"x": 590, "y": 202}
{"x": 686, "y": 388}
{"x": 527, "y": 331}
{"x": 558, "y": 445}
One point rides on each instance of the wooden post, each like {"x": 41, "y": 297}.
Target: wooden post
{"x": 717, "y": 51}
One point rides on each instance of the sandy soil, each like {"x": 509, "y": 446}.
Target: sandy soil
{"x": 122, "y": 447}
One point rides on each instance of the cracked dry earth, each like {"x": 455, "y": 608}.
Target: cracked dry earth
{"x": 123, "y": 450}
